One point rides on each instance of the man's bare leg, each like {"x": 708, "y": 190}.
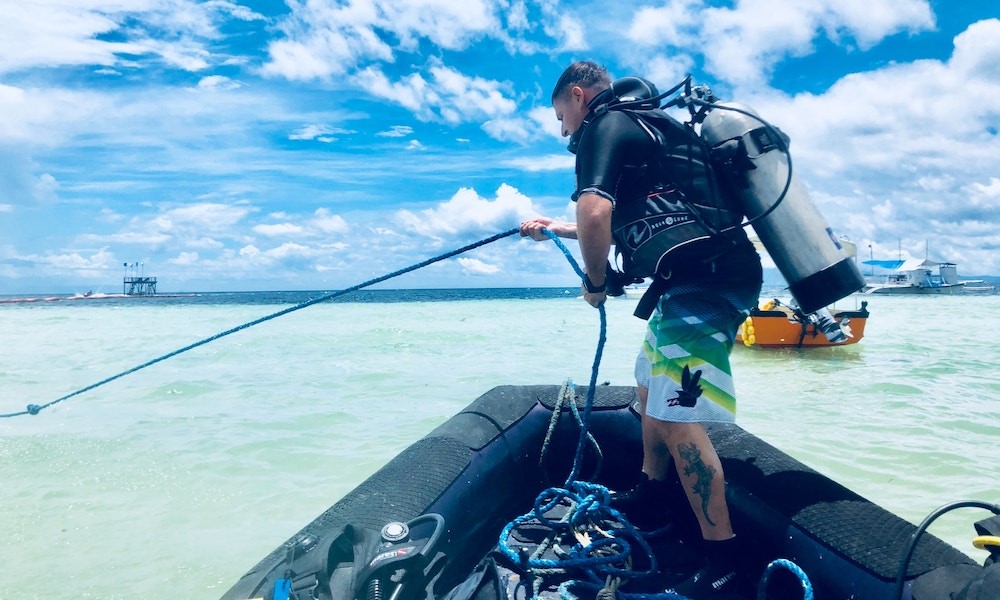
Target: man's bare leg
{"x": 699, "y": 468}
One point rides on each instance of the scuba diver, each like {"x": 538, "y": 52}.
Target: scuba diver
{"x": 645, "y": 184}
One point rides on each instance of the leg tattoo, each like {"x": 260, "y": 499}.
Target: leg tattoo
{"x": 703, "y": 473}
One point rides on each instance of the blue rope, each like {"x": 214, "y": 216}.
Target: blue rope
{"x": 807, "y": 590}
{"x": 591, "y": 504}
{"x": 567, "y": 395}
{"x": 34, "y": 409}
{"x": 578, "y": 458}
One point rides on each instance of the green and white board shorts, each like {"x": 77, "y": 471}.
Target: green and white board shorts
{"x": 694, "y": 326}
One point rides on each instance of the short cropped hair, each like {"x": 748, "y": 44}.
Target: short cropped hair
{"x": 583, "y": 73}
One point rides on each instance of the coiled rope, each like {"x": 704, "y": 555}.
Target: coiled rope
{"x": 605, "y": 560}
{"x": 34, "y": 409}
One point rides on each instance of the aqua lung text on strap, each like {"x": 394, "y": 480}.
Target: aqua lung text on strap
{"x": 751, "y": 157}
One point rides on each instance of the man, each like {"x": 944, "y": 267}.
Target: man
{"x": 682, "y": 371}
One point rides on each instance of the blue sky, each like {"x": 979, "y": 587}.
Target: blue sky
{"x": 315, "y": 144}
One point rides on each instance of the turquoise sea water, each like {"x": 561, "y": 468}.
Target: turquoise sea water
{"x": 174, "y": 480}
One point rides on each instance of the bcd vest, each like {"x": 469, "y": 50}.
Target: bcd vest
{"x": 681, "y": 216}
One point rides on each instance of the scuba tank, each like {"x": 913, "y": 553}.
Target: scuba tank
{"x": 754, "y": 157}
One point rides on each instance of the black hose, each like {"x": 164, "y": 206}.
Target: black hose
{"x": 779, "y": 139}
{"x": 908, "y": 554}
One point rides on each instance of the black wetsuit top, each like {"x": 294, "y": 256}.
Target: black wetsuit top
{"x": 610, "y": 158}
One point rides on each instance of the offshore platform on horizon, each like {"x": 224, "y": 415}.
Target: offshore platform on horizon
{"x": 136, "y": 283}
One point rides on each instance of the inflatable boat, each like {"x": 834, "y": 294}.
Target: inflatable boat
{"x": 488, "y": 507}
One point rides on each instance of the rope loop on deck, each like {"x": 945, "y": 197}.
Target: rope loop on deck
{"x": 34, "y": 409}
{"x": 782, "y": 563}
{"x": 588, "y": 541}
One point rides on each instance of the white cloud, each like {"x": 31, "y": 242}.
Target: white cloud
{"x": 396, "y": 131}
{"x": 568, "y": 31}
{"x": 447, "y": 95}
{"x": 184, "y": 259}
{"x": 136, "y": 238}
{"x": 185, "y": 55}
{"x": 543, "y": 119}
{"x": 675, "y": 23}
{"x": 324, "y": 39}
{"x": 45, "y": 188}
{"x": 67, "y": 32}
{"x": 747, "y": 41}
{"x": 517, "y": 16}
{"x": 205, "y": 216}
{"x": 321, "y": 223}
{"x": 54, "y": 34}
{"x": 319, "y": 133}
{"x": 474, "y": 266}
{"x": 445, "y": 23}
{"x": 328, "y": 223}
{"x": 664, "y": 70}
{"x": 988, "y": 191}
{"x": 869, "y": 22}
{"x": 469, "y": 97}
{"x": 977, "y": 51}
{"x": 466, "y": 212}
{"x": 507, "y": 129}
{"x": 743, "y": 43}
{"x": 249, "y": 251}
{"x": 551, "y": 162}
{"x": 45, "y": 117}
{"x": 901, "y": 117}
{"x": 97, "y": 262}
{"x": 218, "y": 82}
{"x": 205, "y": 243}
{"x": 288, "y": 250}
{"x": 148, "y": 132}
{"x": 107, "y": 215}
{"x": 278, "y": 229}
